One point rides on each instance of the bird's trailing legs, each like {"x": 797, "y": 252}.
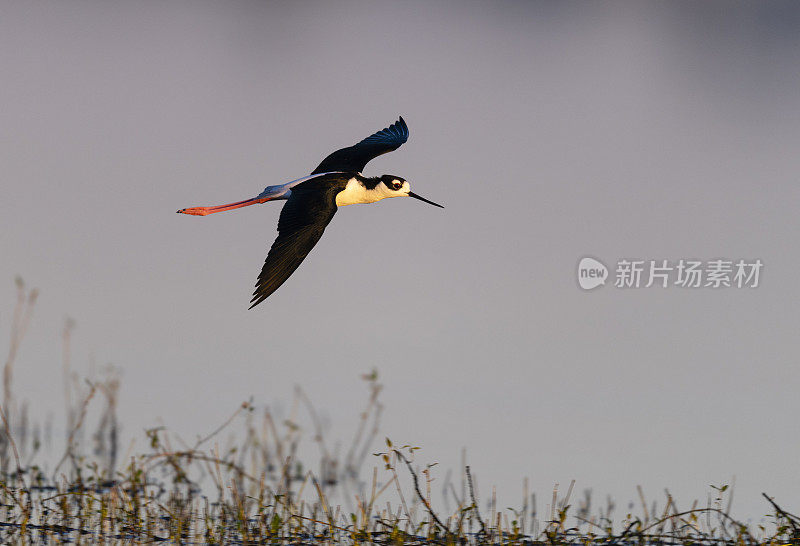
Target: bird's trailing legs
{"x": 203, "y": 211}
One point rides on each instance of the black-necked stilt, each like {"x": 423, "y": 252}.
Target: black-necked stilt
{"x": 312, "y": 201}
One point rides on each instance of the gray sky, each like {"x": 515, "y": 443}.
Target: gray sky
{"x": 549, "y": 131}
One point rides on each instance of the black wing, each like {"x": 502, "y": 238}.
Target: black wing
{"x": 354, "y": 158}
{"x": 303, "y": 219}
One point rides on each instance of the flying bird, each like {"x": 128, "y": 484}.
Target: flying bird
{"x": 312, "y": 201}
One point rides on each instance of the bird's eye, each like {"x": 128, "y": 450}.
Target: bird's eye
{"x": 396, "y": 186}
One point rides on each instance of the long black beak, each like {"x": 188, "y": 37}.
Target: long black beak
{"x": 415, "y": 196}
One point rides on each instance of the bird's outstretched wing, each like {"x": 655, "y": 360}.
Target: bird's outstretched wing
{"x": 354, "y": 158}
{"x": 303, "y": 219}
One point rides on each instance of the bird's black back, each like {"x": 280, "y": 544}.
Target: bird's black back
{"x": 355, "y": 158}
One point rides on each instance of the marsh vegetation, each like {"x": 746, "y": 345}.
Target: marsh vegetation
{"x": 247, "y": 482}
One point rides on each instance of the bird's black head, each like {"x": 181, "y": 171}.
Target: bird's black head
{"x": 395, "y": 183}
{"x": 394, "y": 186}
{"x": 390, "y": 185}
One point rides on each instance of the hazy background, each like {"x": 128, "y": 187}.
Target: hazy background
{"x": 549, "y": 131}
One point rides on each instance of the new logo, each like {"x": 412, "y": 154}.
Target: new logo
{"x": 591, "y": 273}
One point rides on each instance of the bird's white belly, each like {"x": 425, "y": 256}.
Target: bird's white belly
{"x": 355, "y": 193}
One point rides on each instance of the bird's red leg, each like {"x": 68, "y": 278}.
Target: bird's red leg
{"x": 203, "y": 211}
